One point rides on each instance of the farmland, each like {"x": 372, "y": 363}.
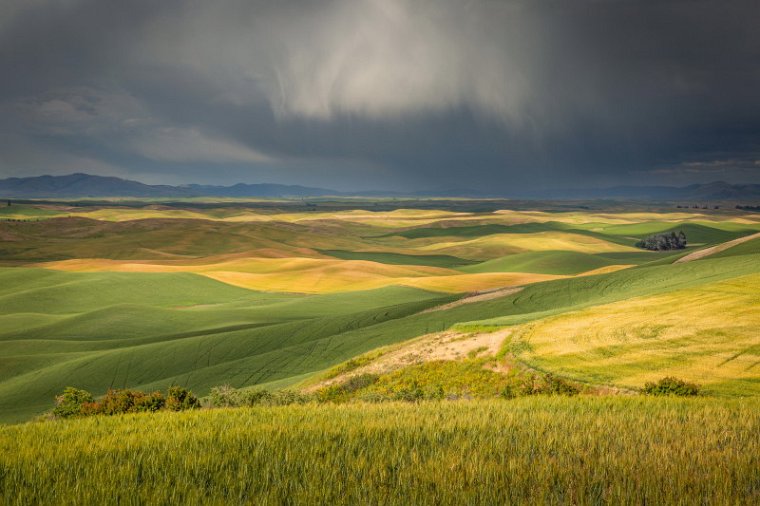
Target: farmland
{"x": 148, "y": 296}
{"x": 364, "y": 302}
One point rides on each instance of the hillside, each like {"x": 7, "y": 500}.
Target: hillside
{"x": 145, "y": 297}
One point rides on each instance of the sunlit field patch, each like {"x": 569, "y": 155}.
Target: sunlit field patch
{"x": 709, "y": 334}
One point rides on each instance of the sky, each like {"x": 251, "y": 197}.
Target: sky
{"x": 383, "y": 94}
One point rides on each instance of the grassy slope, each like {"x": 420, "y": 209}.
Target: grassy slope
{"x": 527, "y": 451}
{"x": 284, "y": 350}
{"x": 547, "y": 262}
{"x": 150, "y": 330}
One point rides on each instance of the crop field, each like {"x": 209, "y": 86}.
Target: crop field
{"x": 541, "y": 450}
{"x": 130, "y": 295}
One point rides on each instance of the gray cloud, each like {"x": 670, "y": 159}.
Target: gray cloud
{"x": 382, "y": 93}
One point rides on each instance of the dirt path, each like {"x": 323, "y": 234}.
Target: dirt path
{"x": 476, "y": 297}
{"x": 716, "y": 249}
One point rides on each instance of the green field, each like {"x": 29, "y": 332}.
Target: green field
{"x": 543, "y": 450}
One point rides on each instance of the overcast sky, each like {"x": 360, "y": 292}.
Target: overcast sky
{"x": 383, "y": 94}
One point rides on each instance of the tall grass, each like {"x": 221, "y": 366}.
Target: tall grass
{"x": 535, "y": 450}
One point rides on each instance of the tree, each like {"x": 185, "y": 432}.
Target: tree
{"x": 70, "y": 402}
{"x": 664, "y": 242}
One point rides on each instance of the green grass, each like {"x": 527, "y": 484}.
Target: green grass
{"x": 544, "y": 262}
{"x": 542, "y": 450}
{"x": 98, "y": 330}
{"x": 746, "y": 248}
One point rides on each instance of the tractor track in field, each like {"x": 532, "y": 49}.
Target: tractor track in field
{"x": 476, "y": 297}
{"x": 697, "y": 255}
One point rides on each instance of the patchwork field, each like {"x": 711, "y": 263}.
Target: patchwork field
{"x": 146, "y": 295}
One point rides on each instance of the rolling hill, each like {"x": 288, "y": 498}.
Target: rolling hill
{"x": 148, "y": 296}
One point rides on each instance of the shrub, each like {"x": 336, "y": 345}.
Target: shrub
{"x": 180, "y": 399}
{"x": 530, "y": 384}
{"x": 226, "y": 396}
{"x": 671, "y": 386}
{"x": 73, "y": 402}
{"x": 409, "y": 394}
{"x": 69, "y": 403}
{"x": 150, "y": 402}
{"x": 117, "y": 402}
{"x": 519, "y": 386}
{"x": 256, "y": 397}
{"x": 288, "y": 397}
{"x": 557, "y": 386}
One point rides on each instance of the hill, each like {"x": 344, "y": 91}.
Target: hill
{"x": 85, "y": 185}
{"x": 145, "y": 296}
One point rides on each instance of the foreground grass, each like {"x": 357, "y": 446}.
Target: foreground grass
{"x": 533, "y": 450}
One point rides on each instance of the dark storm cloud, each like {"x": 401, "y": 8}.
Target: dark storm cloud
{"x": 383, "y": 93}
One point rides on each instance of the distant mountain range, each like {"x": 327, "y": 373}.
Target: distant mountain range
{"x": 85, "y": 185}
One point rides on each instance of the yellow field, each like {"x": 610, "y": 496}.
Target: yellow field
{"x": 386, "y": 219}
{"x": 503, "y": 244}
{"x": 314, "y": 275}
{"x": 709, "y": 334}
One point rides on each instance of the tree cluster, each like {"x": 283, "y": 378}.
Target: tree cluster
{"x": 663, "y": 242}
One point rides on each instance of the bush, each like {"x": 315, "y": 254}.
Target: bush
{"x": 671, "y": 386}
{"x": 180, "y": 399}
{"x": 117, "y": 402}
{"x": 69, "y": 403}
{"x": 73, "y": 402}
{"x": 256, "y": 397}
{"x": 287, "y": 397}
{"x": 530, "y": 384}
{"x": 557, "y": 386}
{"x": 225, "y": 396}
{"x": 150, "y": 403}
